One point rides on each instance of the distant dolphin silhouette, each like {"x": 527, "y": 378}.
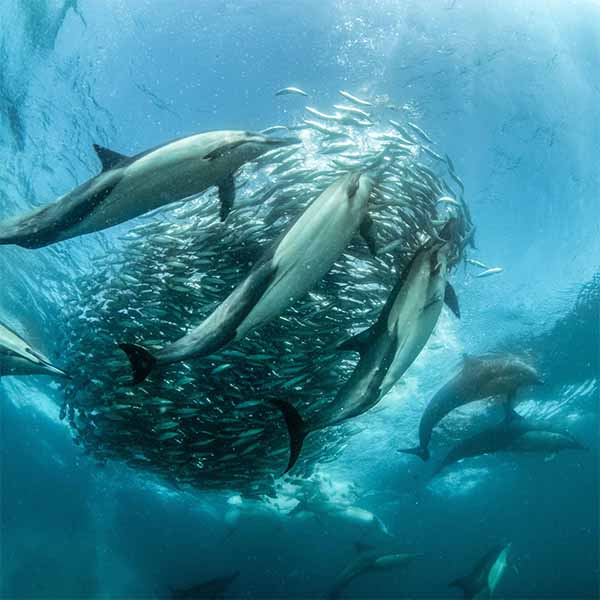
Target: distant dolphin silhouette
{"x": 515, "y": 435}
{"x": 480, "y": 377}
{"x": 369, "y": 560}
{"x": 481, "y": 582}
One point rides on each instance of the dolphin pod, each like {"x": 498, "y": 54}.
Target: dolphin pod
{"x": 130, "y": 186}
{"x": 480, "y": 377}
{"x": 19, "y": 357}
{"x": 482, "y": 581}
{"x": 515, "y": 435}
{"x": 389, "y": 346}
{"x": 284, "y": 273}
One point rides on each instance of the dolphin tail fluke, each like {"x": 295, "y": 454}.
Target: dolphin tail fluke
{"x": 296, "y": 428}
{"x": 142, "y": 361}
{"x": 422, "y": 453}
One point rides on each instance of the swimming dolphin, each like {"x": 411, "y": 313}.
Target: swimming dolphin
{"x": 17, "y": 357}
{"x": 514, "y": 435}
{"x": 369, "y": 560}
{"x": 485, "y": 576}
{"x": 480, "y": 377}
{"x": 283, "y": 274}
{"x": 212, "y": 588}
{"x": 389, "y": 346}
{"x": 129, "y": 186}
{"x": 349, "y": 513}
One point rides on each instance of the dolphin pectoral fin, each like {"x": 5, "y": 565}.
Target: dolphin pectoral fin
{"x": 368, "y": 233}
{"x": 422, "y": 453}
{"x": 226, "y": 196}
{"x": 142, "y": 361}
{"x": 109, "y": 158}
{"x": 451, "y": 300}
{"x": 296, "y": 428}
{"x": 356, "y": 343}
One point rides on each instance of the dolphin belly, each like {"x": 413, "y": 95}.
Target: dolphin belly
{"x": 303, "y": 259}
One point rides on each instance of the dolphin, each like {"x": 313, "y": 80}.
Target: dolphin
{"x": 283, "y": 274}
{"x": 389, "y": 346}
{"x": 345, "y": 512}
{"x": 211, "y": 588}
{"x": 514, "y": 435}
{"x": 481, "y": 582}
{"x": 480, "y": 377}
{"x": 17, "y": 357}
{"x": 130, "y": 186}
{"x": 369, "y": 560}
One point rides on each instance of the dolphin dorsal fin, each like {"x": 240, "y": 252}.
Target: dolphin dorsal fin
{"x": 109, "y": 158}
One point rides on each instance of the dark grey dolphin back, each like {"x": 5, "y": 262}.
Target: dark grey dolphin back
{"x": 44, "y": 226}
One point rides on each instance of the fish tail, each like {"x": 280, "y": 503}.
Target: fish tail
{"x": 142, "y": 361}
{"x": 297, "y": 429}
{"x": 422, "y": 453}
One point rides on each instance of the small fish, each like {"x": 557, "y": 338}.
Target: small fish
{"x": 273, "y": 129}
{"x": 290, "y": 90}
{"x": 418, "y": 130}
{"x": 352, "y": 109}
{"x": 477, "y": 263}
{"x": 354, "y": 99}
{"x": 448, "y": 200}
{"x": 489, "y": 272}
{"x": 320, "y": 115}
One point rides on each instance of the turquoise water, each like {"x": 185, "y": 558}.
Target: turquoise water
{"x": 508, "y": 90}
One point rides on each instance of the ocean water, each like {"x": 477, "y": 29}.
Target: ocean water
{"x": 100, "y": 507}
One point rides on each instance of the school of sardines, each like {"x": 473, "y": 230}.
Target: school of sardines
{"x": 301, "y": 272}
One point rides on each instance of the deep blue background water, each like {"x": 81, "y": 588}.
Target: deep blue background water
{"x": 510, "y": 90}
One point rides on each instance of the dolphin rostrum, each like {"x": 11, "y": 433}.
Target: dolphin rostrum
{"x": 213, "y": 589}
{"x": 129, "y": 186}
{"x": 480, "y": 377}
{"x": 481, "y": 582}
{"x": 514, "y": 435}
{"x": 17, "y": 357}
{"x": 283, "y": 274}
{"x": 369, "y": 560}
{"x": 389, "y": 346}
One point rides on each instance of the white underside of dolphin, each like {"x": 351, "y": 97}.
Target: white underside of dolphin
{"x": 281, "y": 276}
{"x": 128, "y": 187}
{"x": 387, "y": 348}
{"x": 18, "y": 357}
